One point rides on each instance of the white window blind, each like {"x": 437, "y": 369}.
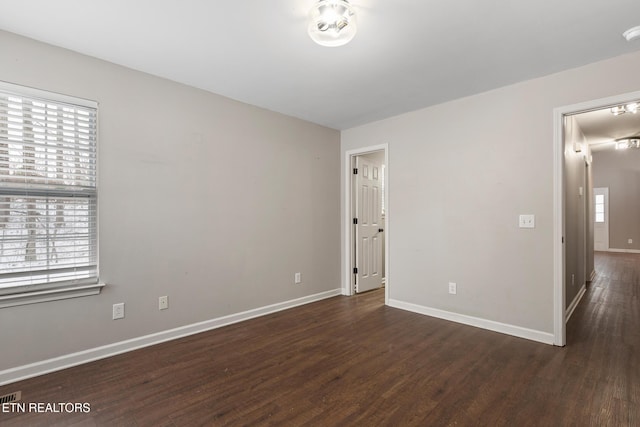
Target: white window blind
{"x": 48, "y": 198}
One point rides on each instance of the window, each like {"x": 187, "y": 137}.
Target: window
{"x": 599, "y": 208}
{"x": 48, "y": 196}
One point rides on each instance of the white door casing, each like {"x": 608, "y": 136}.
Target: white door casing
{"x": 601, "y": 219}
{"x": 369, "y": 227}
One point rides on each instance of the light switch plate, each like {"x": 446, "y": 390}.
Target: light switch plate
{"x": 527, "y": 221}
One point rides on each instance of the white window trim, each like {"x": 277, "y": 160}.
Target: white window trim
{"x": 64, "y": 291}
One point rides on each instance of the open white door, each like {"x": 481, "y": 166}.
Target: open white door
{"x": 601, "y": 219}
{"x": 368, "y": 225}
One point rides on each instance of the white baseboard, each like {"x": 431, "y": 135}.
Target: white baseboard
{"x": 69, "y": 360}
{"x": 517, "y": 331}
{"x": 624, "y": 251}
{"x": 575, "y": 302}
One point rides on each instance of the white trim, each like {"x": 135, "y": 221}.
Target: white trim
{"x": 575, "y": 302}
{"x": 516, "y": 331}
{"x": 624, "y": 251}
{"x": 69, "y": 360}
{"x": 347, "y": 221}
{"x": 12, "y": 300}
{"x": 559, "y": 323}
{"x": 559, "y": 328}
{"x": 46, "y": 95}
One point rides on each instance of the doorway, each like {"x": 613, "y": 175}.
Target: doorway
{"x": 366, "y": 220}
{"x": 561, "y": 148}
{"x": 367, "y": 206}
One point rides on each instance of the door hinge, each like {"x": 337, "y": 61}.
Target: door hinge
{"x": 355, "y": 221}
{"x": 355, "y": 171}
{"x": 355, "y": 270}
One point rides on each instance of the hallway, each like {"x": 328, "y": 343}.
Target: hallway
{"x": 603, "y": 342}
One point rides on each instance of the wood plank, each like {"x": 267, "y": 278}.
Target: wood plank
{"x": 354, "y": 361}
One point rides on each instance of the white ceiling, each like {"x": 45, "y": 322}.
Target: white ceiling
{"x": 407, "y": 54}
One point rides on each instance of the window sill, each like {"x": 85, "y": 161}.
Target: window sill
{"x": 50, "y": 295}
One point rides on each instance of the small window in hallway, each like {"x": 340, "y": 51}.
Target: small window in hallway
{"x": 599, "y": 208}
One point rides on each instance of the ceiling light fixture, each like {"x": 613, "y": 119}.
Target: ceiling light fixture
{"x": 332, "y": 23}
{"x": 632, "y": 33}
{"x": 617, "y": 110}
{"x": 622, "y": 144}
{"x": 631, "y": 107}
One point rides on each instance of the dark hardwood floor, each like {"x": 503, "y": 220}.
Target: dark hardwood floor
{"x": 353, "y": 361}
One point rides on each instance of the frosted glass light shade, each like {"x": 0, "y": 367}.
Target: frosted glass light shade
{"x": 632, "y": 33}
{"x": 332, "y": 23}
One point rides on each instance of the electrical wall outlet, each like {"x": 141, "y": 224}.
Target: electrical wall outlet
{"x": 453, "y": 288}
{"x": 630, "y": 241}
{"x": 118, "y": 311}
{"x": 297, "y": 278}
{"x": 163, "y": 302}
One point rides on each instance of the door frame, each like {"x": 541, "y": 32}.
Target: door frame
{"x": 559, "y": 258}
{"x": 347, "y": 226}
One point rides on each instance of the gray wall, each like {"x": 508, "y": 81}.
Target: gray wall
{"x": 620, "y": 171}
{"x": 212, "y": 202}
{"x": 576, "y": 211}
{"x": 460, "y": 173}
{"x": 591, "y": 269}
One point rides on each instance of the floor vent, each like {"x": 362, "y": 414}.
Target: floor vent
{"x": 11, "y": 397}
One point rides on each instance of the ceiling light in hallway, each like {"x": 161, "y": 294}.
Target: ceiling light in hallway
{"x": 625, "y": 143}
{"x": 631, "y": 107}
